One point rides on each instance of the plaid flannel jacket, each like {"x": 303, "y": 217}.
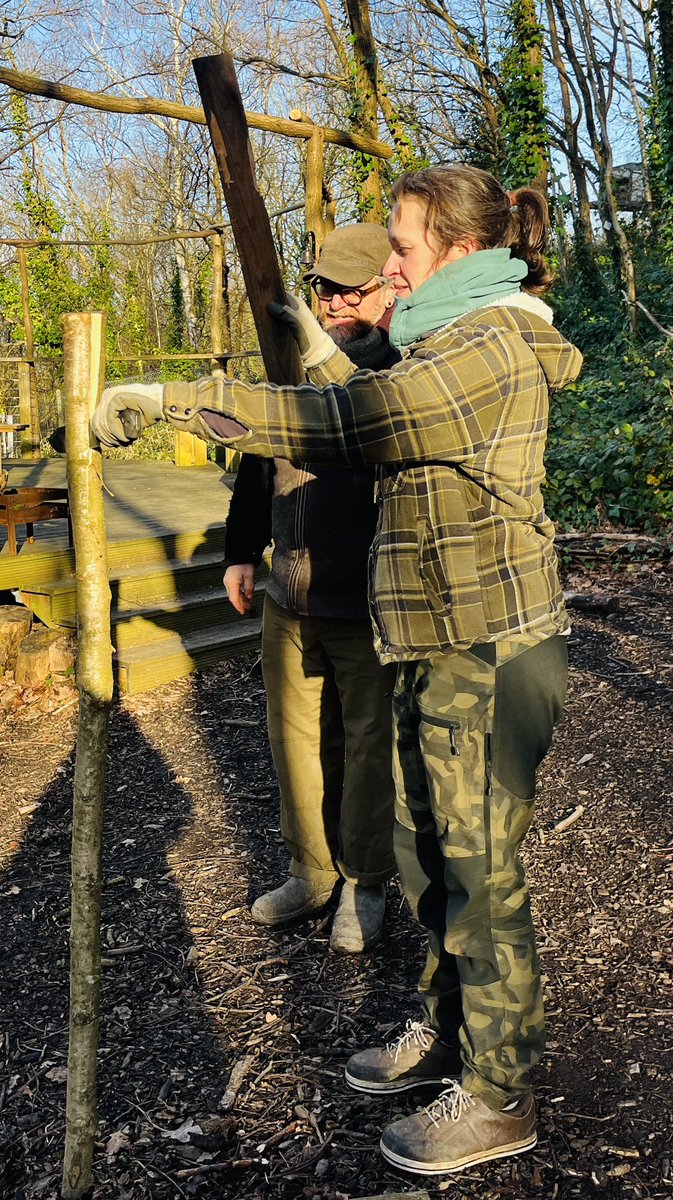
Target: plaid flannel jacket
{"x": 463, "y": 552}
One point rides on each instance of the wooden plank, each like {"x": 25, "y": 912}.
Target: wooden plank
{"x": 250, "y": 225}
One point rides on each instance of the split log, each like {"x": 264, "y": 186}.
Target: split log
{"x": 83, "y": 342}
{"x": 15, "y": 623}
{"x": 43, "y": 654}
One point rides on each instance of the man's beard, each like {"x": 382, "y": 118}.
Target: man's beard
{"x": 342, "y": 333}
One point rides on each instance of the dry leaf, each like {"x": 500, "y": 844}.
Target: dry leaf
{"x": 184, "y": 1132}
{"x": 58, "y": 1074}
{"x": 116, "y": 1142}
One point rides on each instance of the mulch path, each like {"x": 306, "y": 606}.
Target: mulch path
{"x": 222, "y": 1045}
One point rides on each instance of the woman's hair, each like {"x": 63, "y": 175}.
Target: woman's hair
{"x": 463, "y": 202}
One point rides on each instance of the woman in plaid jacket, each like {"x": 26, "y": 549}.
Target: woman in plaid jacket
{"x": 465, "y": 596}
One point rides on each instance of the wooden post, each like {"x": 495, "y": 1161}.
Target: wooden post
{"x": 83, "y": 349}
{"x": 190, "y": 451}
{"x": 250, "y": 225}
{"x": 217, "y": 301}
{"x": 313, "y": 204}
{"x": 29, "y": 412}
{"x": 315, "y": 175}
{"x": 223, "y": 454}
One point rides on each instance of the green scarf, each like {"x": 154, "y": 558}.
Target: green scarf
{"x": 468, "y": 283}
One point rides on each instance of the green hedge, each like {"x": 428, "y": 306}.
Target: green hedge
{"x": 610, "y": 448}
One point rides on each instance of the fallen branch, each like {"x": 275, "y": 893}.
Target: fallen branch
{"x": 648, "y": 538}
{"x": 657, "y": 324}
{"x": 585, "y": 602}
{"x": 241, "y": 1164}
{"x": 569, "y": 820}
{"x": 238, "y": 1074}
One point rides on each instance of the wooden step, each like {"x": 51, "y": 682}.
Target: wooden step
{"x": 152, "y": 586}
{"x": 143, "y": 668}
{"x": 36, "y": 564}
{"x": 198, "y": 611}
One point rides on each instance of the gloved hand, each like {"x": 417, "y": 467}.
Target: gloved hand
{"x": 315, "y": 345}
{"x": 144, "y": 398}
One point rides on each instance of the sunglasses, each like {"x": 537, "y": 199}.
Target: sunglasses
{"x": 325, "y": 290}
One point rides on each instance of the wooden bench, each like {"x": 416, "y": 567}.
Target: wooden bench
{"x": 28, "y": 505}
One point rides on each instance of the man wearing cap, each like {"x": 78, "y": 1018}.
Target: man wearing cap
{"x": 328, "y": 699}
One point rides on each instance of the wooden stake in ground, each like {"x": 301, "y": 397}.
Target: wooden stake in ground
{"x": 250, "y": 225}
{"x": 83, "y": 342}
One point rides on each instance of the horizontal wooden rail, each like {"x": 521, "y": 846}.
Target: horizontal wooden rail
{"x": 176, "y": 235}
{"x": 160, "y": 357}
{"x": 32, "y": 85}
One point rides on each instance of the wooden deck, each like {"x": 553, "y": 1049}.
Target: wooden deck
{"x": 165, "y": 527}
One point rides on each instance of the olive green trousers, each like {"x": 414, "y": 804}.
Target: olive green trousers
{"x": 470, "y": 729}
{"x": 330, "y": 728}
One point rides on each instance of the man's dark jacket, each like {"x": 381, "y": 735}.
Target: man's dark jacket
{"x": 321, "y": 519}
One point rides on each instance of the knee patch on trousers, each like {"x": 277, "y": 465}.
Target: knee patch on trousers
{"x": 529, "y": 696}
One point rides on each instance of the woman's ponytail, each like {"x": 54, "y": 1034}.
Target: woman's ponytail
{"x": 529, "y": 213}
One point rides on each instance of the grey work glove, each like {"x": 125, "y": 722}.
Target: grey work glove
{"x": 145, "y": 399}
{"x": 315, "y": 345}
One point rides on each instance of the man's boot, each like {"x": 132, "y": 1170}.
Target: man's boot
{"x": 294, "y": 899}
{"x": 358, "y": 920}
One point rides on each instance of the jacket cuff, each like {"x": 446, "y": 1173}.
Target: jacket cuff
{"x": 184, "y": 409}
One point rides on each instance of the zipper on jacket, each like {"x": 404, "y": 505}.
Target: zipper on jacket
{"x": 488, "y": 755}
{"x": 297, "y": 568}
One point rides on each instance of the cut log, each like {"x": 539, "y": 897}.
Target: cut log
{"x": 15, "y": 623}
{"x": 43, "y": 654}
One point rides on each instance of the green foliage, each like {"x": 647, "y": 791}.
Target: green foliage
{"x": 610, "y": 448}
{"x": 54, "y": 288}
{"x": 524, "y": 131}
{"x": 177, "y": 324}
{"x": 157, "y": 444}
{"x": 587, "y": 303}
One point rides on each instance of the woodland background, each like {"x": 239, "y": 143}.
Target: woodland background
{"x": 572, "y": 95}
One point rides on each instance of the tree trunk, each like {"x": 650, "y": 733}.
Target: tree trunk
{"x": 664, "y": 95}
{"x": 524, "y": 123}
{"x": 592, "y": 83}
{"x": 84, "y": 340}
{"x": 364, "y": 105}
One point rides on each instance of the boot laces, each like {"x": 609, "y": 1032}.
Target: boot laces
{"x": 415, "y": 1033}
{"x": 450, "y": 1105}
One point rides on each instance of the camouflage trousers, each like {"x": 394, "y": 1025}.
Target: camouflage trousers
{"x": 470, "y": 729}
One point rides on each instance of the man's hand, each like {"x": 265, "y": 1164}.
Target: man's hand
{"x": 315, "y": 345}
{"x": 144, "y": 398}
{"x": 239, "y": 580}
